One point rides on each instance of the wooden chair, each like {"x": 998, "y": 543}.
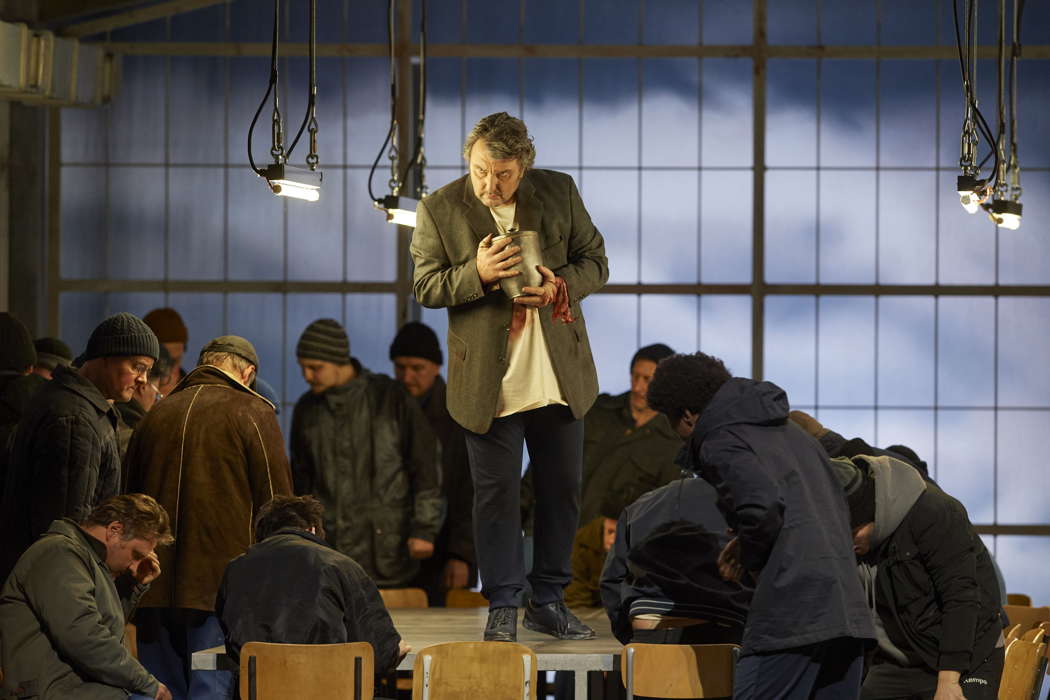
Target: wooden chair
{"x": 465, "y": 598}
{"x": 1035, "y": 635}
{"x": 131, "y": 637}
{"x": 1028, "y": 617}
{"x": 404, "y": 598}
{"x": 1013, "y": 633}
{"x": 1023, "y": 666}
{"x": 489, "y": 670}
{"x": 282, "y": 671}
{"x": 678, "y": 670}
{"x": 1018, "y": 599}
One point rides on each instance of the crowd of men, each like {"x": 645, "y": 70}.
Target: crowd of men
{"x": 694, "y": 507}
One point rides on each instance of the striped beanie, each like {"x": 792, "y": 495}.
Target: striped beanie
{"x": 324, "y": 340}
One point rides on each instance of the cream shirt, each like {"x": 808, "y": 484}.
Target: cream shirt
{"x": 529, "y": 381}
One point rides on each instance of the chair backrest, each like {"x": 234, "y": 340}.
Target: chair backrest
{"x": 330, "y": 671}
{"x": 1023, "y": 664}
{"x": 404, "y": 598}
{"x": 465, "y": 598}
{"x": 1018, "y": 599}
{"x": 1027, "y": 617}
{"x": 489, "y": 670}
{"x": 1013, "y": 632}
{"x": 678, "y": 670}
{"x": 131, "y": 637}
{"x": 1036, "y": 634}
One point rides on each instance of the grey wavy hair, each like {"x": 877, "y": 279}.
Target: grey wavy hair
{"x": 506, "y": 137}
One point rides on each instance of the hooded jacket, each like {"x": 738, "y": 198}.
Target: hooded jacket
{"x": 313, "y": 595}
{"x": 778, "y": 492}
{"x": 367, "y": 452}
{"x": 928, "y": 574}
{"x": 664, "y": 561}
{"x": 212, "y": 454}
{"x": 62, "y": 623}
{"x": 63, "y": 461}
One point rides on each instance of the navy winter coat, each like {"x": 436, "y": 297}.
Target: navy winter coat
{"x": 778, "y": 493}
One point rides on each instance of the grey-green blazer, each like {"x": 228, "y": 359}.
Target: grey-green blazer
{"x": 450, "y": 224}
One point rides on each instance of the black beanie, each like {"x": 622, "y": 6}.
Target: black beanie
{"x": 860, "y": 490}
{"x": 122, "y": 334}
{"x": 416, "y": 339}
{"x": 324, "y": 340}
{"x": 653, "y": 353}
{"x": 52, "y": 352}
{"x": 16, "y": 345}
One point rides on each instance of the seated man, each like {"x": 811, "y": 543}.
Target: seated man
{"x": 931, "y": 584}
{"x": 661, "y": 583}
{"x": 63, "y": 608}
{"x": 313, "y": 594}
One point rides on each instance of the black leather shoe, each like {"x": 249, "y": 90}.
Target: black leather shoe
{"x": 502, "y": 625}
{"x": 556, "y": 620}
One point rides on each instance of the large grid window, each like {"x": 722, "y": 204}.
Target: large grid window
{"x": 786, "y": 204}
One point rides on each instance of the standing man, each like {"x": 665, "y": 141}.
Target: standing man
{"x": 63, "y": 609}
{"x": 172, "y": 334}
{"x": 417, "y": 362}
{"x": 365, "y": 449}
{"x": 519, "y": 372}
{"x": 808, "y": 624}
{"x": 212, "y": 454}
{"x": 63, "y": 457}
{"x": 19, "y": 382}
{"x": 50, "y": 353}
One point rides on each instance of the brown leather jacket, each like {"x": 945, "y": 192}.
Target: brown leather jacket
{"x": 212, "y": 454}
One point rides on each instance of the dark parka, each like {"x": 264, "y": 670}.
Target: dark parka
{"x": 621, "y": 458}
{"x": 777, "y": 490}
{"x": 62, "y": 623}
{"x": 212, "y": 454}
{"x": 664, "y": 561}
{"x": 367, "y": 452}
{"x": 16, "y": 391}
{"x": 63, "y": 461}
{"x": 450, "y": 224}
{"x": 935, "y": 590}
{"x": 312, "y": 595}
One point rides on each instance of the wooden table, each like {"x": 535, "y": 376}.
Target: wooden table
{"x": 422, "y": 627}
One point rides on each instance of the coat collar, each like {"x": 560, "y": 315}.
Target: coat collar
{"x": 209, "y": 374}
{"x": 529, "y": 210}
{"x": 72, "y": 380}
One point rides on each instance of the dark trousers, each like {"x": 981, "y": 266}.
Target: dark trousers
{"x": 888, "y": 681}
{"x": 167, "y": 638}
{"x": 829, "y": 670}
{"x": 555, "y": 442}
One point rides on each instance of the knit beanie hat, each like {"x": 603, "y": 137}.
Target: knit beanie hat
{"x": 235, "y": 345}
{"x": 653, "y": 353}
{"x": 324, "y": 340}
{"x": 16, "y": 345}
{"x": 416, "y": 339}
{"x": 52, "y": 352}
{"x": 167, "y": 324}
{"x": 859, "y": 488}
{"x": 122, "y": 334}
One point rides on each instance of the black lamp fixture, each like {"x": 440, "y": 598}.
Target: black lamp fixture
{"x": 399, "y": 208}
{"x": 999, "y": 195}
{"x": 290, "y": 180}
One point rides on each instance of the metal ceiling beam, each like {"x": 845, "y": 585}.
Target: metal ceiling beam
{"x": 188, "y": 48}
{"x": 139, "y": 15}
{"x": 61, "y": 11}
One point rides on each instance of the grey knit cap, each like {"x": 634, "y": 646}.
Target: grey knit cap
{"x": 122, "y": 334}
{"x": 16, "y": 345}
{"x": 52, "y": 352}
{"x": 324, "y": 340}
